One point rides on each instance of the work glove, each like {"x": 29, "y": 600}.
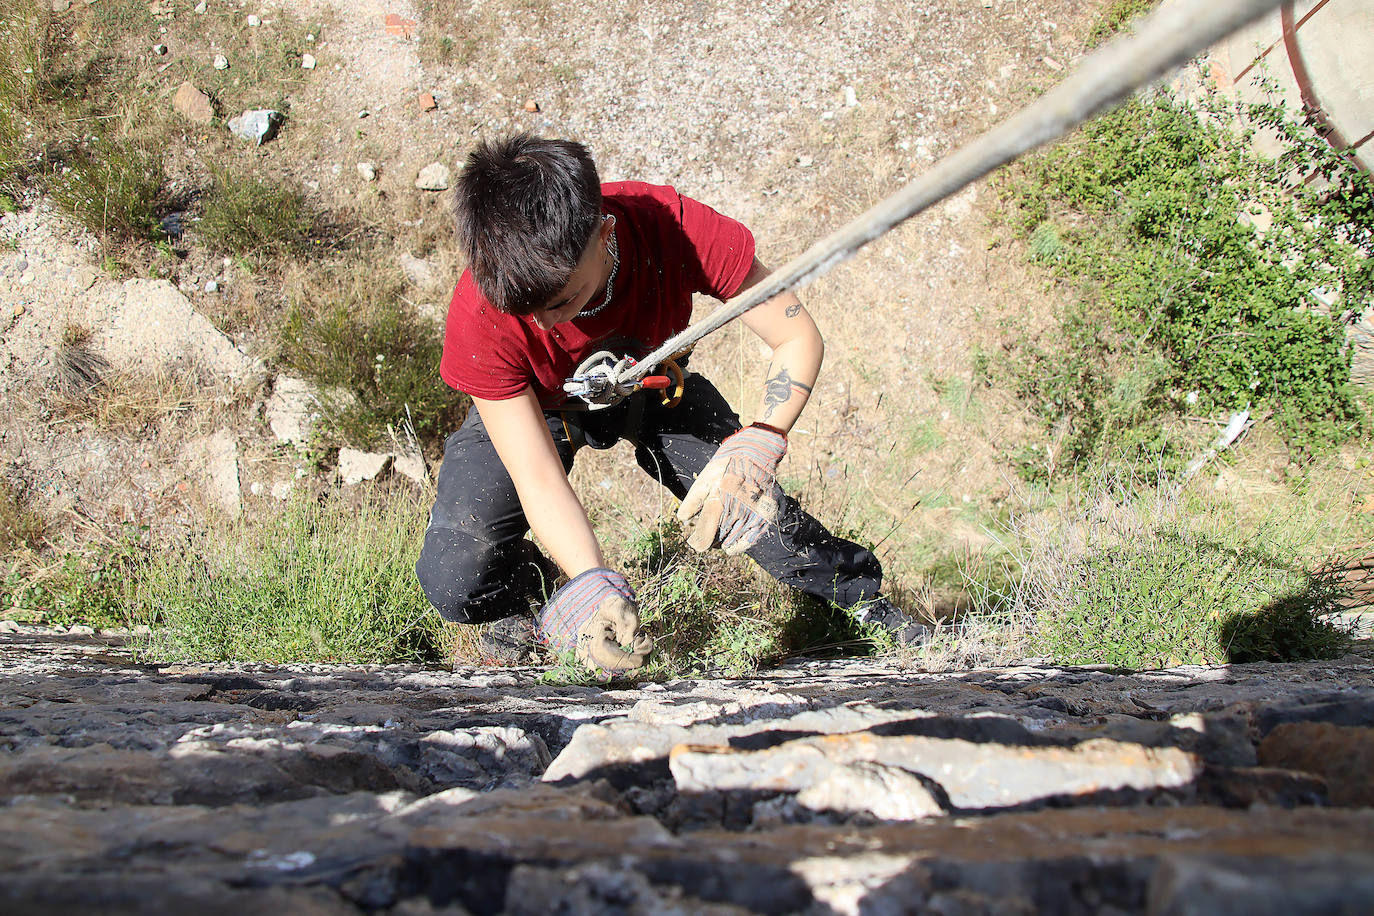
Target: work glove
{"x": 594, "y": 615}
{"x": 736, "y": 498}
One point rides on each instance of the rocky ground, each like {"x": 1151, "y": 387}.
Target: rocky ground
{"x": 820, "y": 787}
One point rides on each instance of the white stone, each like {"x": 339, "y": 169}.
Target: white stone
{"x": 200, "y": 8}
{"x": 217, "y": 456}
{"x": 255, "y": 488}
{"x": 307, "y": 62}
{"x": 433, "y": 177}
{"x": 367, "y": 171}
{"x": 211, "y": 286}
{"x": 281, "y": 490}
{"x": 851, "y": 98}
{"x": 80, "y": 629}
{"x": 356, "y": 466}
{"x": 149, "y": 326}
{"x": 221, "y": 62}
{"x": 254, "y": 22}
{"x": 410, "y": 466}
{"x": 292, "y": 410}
{"x": 159, "y": 50}
{"x": 8, "y": 626}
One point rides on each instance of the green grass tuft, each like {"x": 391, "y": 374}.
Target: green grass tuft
{"x": 329, "y": 582}
{"x": 255, "y": 218}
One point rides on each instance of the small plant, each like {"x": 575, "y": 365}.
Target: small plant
{"x": 114, "y": 188}
{"x": 327, "y": 581}
{"x": 90, "y": 589}
{"x": 250, "y": 217}
{"x": 1115, "y": 17}
{"x": 21, "y": 528}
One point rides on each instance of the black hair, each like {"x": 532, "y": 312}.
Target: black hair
{"x": 525, "y": 209}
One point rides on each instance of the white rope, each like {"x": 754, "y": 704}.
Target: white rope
{"x": 1161, "y": 41}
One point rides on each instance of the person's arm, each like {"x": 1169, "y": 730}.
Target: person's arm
{"x": 786, "y": 327}
{"x": 521, "y": 435}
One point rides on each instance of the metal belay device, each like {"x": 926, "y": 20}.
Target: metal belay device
{"x": 602, "y": 380}
{"x": 1162, "y": 40}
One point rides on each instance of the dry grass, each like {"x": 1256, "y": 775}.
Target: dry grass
{"x": 129, "y": 403}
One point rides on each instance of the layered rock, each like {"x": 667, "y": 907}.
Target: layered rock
{"x": 830, "y": 787}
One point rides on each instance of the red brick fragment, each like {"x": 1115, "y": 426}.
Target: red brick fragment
{"x": 427, "y": 102}
{"x": 400, "y": 27}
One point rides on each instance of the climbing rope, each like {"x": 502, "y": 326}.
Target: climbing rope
{"x": 1161, "y": 41}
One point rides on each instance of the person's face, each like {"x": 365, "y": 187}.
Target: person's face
{"x": 587, "y": 282}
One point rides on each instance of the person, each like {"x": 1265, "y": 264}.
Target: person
{"x": 561, "y": 266}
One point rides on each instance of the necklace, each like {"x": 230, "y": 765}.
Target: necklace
{"x": 614, "y": 249}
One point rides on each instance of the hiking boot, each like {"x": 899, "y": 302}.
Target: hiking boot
{"x": 880, "y": 612}
{"x": 509, "y": 642}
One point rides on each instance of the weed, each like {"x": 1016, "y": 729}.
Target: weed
{"x": 90, "y": 589}
{"x": 1115, "y": 17}
{"x": 349, "y": 328}
{"x": 329, "y": 581}
{"x": 112, "y": 187}
{"x": 259, "y": 219}
{"x": 1180, "y": 301}
{"x": 1140, "y": 579}
{"x": 21, "y": 528}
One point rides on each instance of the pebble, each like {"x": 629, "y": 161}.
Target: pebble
{"x": 851, "y": 98}
{"x": 367, "y": 171}
{"x": 254, "y": 22}
{"x": 363, "y": 114}
{"x": 221, "y": 62}
{"x": 200, "y": 7}
{"x": 427, "y": 102}
{"x": 433, "y": 177}
{"x": 61, "y": 6}
{"x": 80, "y": 629}
{"x": 160, "y": 50}
{"x": 307, "y": 62}
{"x": 143, "y": 629}
{"x": 255, "y": 488}
{"x": 18, "y": 310}
{"x": 531, "y": 106}
{"x": 211, "y": 286}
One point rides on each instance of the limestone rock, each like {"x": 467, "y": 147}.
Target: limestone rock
{"x": 292, "y": 410}
{"x": 193, "y": 104}
{"x": 418, "y": 271}
{"x": 356, "y": 466}
{"x": 412, "y": 467}
{"x": 218, "y": 458}
{"x": 433, "y": 177}
{"x": 973, "y": 775}
{"x": 146, "y": 326}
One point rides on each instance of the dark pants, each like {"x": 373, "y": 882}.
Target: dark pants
{"x": 476, "y": 564}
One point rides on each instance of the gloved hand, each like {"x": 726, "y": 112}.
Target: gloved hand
{"x": 594, "y": 615}
{"x": 736, "y": 497}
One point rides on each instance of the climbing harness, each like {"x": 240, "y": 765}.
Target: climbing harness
{"x": 1162, "y": 40}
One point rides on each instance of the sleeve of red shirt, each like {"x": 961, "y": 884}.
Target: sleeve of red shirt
{"x": 478, "y": 358}
{"x": 724, "y": 248}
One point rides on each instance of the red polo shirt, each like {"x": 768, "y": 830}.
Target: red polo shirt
{"x": 670, "y": 247}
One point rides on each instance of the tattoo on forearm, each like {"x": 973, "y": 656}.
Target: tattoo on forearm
{"x": 793, "y": 310}
{"x": 778, "y": 390}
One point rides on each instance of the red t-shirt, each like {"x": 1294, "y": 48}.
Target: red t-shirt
{"x": 670, "y": 247}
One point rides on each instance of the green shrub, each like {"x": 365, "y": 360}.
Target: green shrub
{"x": 114, "y": 188}
{"x": 1176, "y": 303}
{"x": 348, "y": 327}
{"x": 329, "y": 582}
{"x": 252, "y": 217}
{"x": 90, "y": 589}
{"x": 1116, "y": 16}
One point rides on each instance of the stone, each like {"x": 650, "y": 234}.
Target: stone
{"x": 200, "y": 8}
{"x": 1342, "y": 755}
{"x": 367, "y": 171}
{"x": 160, "y": 50}
{"x": 426, "y": 101}
{"x": 218, "y": 457}
{"x": 973, "y": 775}
{"x": 79, "y": 629}
{"x": 400, "y": 26}
{"x": 411, "y": 467}
{"x": 851, "y": 99}
{"x": 433, "y": 177}
{"x": 61, "y": 6}
{"x": 418, "y": 271}
{"x": 292, "y": 410}
{"x": 221, "y": 62}
{"x": 257, "y": 124}
{"x": 9, "y": 626}
{"x": 253, "y": 21}
{"x": 192, "y": 104}
{"x": 281, "y": 490}
{"x": 212, "y": 286}
{"x": 308, "y": 62}
{"x": 148, "y": 326}
{"x": 355, "y": 466}
{"x": 885, "y": 792}
{"x": 531, "y": 106}
{"x": 83, "y": 278}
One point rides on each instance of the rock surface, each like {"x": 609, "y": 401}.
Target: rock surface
{"x": 870, "y": 789}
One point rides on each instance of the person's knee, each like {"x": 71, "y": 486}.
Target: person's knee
{"x": 454, "y": 570}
